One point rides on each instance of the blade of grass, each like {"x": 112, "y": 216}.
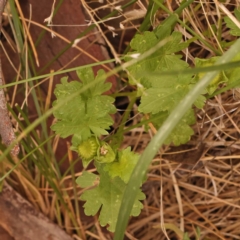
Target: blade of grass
{"x": 17, "y": 25}
{"x": 218, "y": 67}
{"x": 224, "y": 66}
{"x": 55, "y": 73}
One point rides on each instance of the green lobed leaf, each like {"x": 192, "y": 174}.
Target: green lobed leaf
{"x": 88, "y": 113}
{"x": 107, "y": 197}
{"x": 123, "y": 168}
{"x": 161, "y": 59}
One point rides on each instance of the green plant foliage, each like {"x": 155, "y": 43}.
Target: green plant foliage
{"x": 200, "y": 102}
{"x": 233, "y": 75}
{"x": 198, "y": 232}
{"x": 162, "y": 94}
{"x": 185, "y": 236}
{"x": 107, "y": 196}
{"x": 91, "y": 149}
{"x": 123, "y": 168}
{"x": 197, "y": 236}
{"x": 105, "y": 153}
{"x": 220, "y": 78}
{"x": 182, "y": 132}
{"x": 86, "y": 116}
{"x": 162, "y": 59}
{"x": 234, "y": 30}
{"x": 88, "y": 148}
{"x": 89, "y": 112}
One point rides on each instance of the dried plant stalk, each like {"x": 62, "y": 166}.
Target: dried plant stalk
{"x": 6, "y": 129}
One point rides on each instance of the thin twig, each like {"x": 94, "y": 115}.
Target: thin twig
{"x": 6, "y": 129}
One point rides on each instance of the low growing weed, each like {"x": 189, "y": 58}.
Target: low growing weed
{"x": 87, "y": 117}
